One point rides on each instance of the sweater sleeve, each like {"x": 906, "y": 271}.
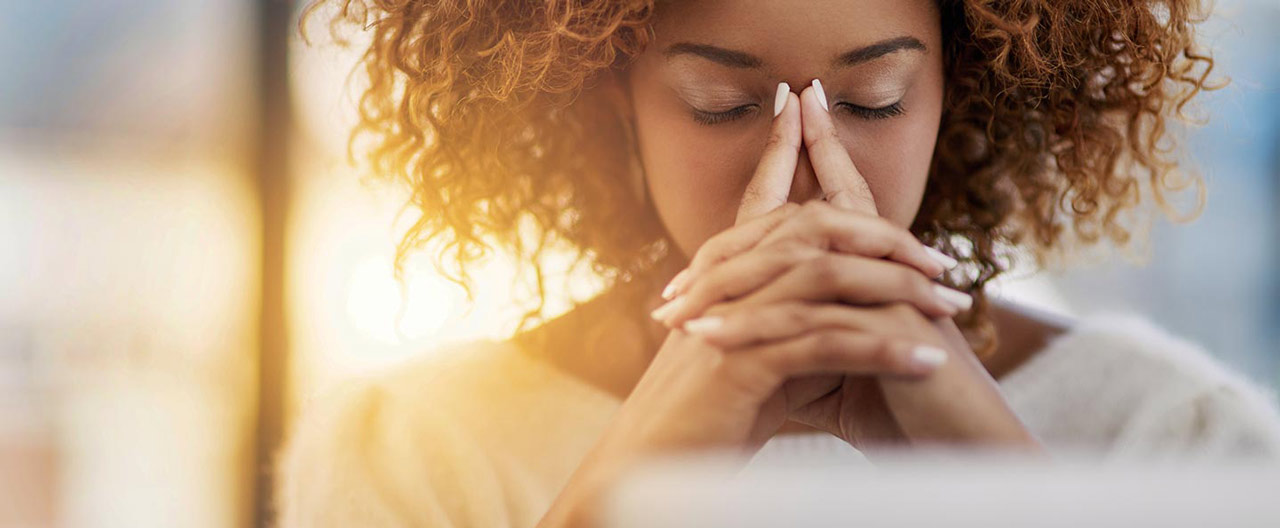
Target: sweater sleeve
{"x": 1221, "y": 421}
{"x": 364, "y": 456}
{"x": 1121, "y": 387}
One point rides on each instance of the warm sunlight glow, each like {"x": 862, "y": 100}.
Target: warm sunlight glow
{"x": 347, "y": 311}
{"x": 374, "y": 299}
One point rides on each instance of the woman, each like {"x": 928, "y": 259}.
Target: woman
{"x": 799, "y": 161}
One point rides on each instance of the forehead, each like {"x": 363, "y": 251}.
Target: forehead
{"x": 790, "y": 35}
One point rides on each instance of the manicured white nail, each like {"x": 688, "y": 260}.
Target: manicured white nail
{"x": 670, "y": 290}
{"x": 703, "y": 324}
{"x": 941, "y": 258}
{"x": 780, "y": 99}
{"x": 665, "y": 310}
{"x": 822, "y": 94}
{"x": 928, "y": 356}
{"x": 959, "y": 299}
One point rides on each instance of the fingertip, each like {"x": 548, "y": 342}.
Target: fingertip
{"x": 667, "y": 312}
{"x": 820, "y": 94}
{"x": 787, "y": 121}
{"x": 706, "y": 326}
{"x": 676, "y": 285}
{"x": 927, "y": 358}
{"x": 781, "y": 99}
{"x": 942, "y": 259}
{"x": 814, "y": 96}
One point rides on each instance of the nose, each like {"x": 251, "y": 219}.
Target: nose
{"x": 804, "y": 183}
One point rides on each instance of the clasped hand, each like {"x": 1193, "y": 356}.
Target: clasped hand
{"x": 834, "y": 280}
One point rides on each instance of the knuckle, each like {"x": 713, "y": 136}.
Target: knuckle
{"x": 712, "y": 252}
{"x": 900, "y": 310}
{"x": 907, "y": 282}
{"x": 828, "y": 137}
{"x": 920, "y": 288}
{"x": 825, "y": 269}
{"x": 798, "y": 251}
{"x": 907, "y": 241}
{"x": 880, "y": 351}
{"x": 780, "y": 358}
{"x": 796, "y": 315}
{"x": 813, "y": 208}
{"x": 710, "y": 286}
{"x": 789, "y": 208}
{"x": 728, "y": 312}
{"x": 827, "y": 342}
{"x": 709, "y": 248}
{"x": 832, "y": 195}
{"x": 827, "y": 219}
{"x": 755, "y": 194}
{"x": 776, "y": 140}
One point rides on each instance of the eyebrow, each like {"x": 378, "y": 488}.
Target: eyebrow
{"x": 747, "y": 61}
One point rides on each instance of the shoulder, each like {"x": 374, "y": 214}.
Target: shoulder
{"x": 1121, "y": 381}
{"x": 436, "y": 440}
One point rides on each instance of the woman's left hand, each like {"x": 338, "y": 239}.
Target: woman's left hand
{"x": 958, "y": 403}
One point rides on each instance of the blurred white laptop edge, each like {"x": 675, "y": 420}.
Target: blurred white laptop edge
{"x": 949, "y": 488}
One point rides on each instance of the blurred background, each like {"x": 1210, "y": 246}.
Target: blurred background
{"x": 186, "y": 257}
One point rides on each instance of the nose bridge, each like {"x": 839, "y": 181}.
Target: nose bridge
{"x": 804, "y": 183}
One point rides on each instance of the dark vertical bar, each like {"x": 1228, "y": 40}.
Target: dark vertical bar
{"x": 271, "y": 152}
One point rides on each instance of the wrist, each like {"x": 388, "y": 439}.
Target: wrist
{"x": 579, "y": 502}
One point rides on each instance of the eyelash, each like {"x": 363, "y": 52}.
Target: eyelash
{"x": 885, "y": 112}
{"x": 715, "y": 118}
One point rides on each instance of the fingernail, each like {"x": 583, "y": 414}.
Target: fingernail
{"x": 780, "y": 99}
{"x": 703, "y": 325}
{"x": 941, "y": 258}
{"x": 669, "y": 292}
{"x": 959, "y": 299}
{"x": 928, "y": 356}
{"x": 665, "y": 310}
{"x": 822, "y": 94}
{"x": 675, "y": 284}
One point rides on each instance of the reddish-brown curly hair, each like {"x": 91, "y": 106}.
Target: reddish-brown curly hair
{"x": 1056, "y": 113}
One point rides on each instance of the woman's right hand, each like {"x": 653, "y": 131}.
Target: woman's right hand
{"x": 696, "y": 396}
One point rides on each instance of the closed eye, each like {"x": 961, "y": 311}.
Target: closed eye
{"x": 883, "y": 112}
{"x": 713, "y": 118}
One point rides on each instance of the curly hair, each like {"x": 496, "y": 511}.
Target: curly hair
{"x": 1055, "y": 110}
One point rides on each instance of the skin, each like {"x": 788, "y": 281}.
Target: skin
{"x": 697, "y": 174}
{"x": 707, "y": 181}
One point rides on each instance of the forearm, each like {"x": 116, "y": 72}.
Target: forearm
{"x": 951, "y": 391}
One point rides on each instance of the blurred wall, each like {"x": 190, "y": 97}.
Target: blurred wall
{"x": 130, "y": 261}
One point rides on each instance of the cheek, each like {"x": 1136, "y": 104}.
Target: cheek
{"x": 894, "y": 157}
{"x": 695, "y": 173}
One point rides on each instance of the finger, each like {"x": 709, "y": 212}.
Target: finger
{"x": 735, "y": 277}
{"x": 851, "y": 352}
{"x": 732, "y": 326}
{"x": 841, "y": 182}
{"x": 727, "y": 244}
{"x": 788, "y": 245}
{"x": 740, "y": 328}
{"x": 859, "y": 281}
{"x": 824, "y": 225}
{"x": 770, "y": 274}
{"x": 771, "y": 184}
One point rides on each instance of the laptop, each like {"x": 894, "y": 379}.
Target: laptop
{"x": 951, "y": 488}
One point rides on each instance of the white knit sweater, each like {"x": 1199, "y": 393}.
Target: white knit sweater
{"x": 482, "y": 435}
